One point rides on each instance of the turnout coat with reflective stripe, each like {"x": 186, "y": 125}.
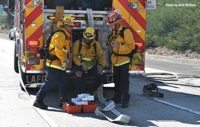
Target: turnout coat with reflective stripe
{"x": 126, "y": 45}
{"x": 61, "y": 43}
{"x": 87, "y": 54}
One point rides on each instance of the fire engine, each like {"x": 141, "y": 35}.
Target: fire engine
{"x": 36, "y": 19}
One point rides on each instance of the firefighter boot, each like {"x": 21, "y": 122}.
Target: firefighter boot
{"x": 40, "y": 104}
{"x": 125, "y": 100}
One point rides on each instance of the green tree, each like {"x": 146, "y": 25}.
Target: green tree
{"x": 176, "y": 28}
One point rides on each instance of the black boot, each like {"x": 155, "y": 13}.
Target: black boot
{"x": 40, "y": 104}
{"x": 125, "y": 101}
{"x": 117, "y": 98}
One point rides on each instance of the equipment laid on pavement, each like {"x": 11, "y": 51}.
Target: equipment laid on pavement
{"x": 71, "y": 108}
{"x": 151, "y": 90}
{"x": 83, "y": 102}
{"x": 111, "y": 114}
{"x": 82, "y": 99}
{"x": 106, "y": 108}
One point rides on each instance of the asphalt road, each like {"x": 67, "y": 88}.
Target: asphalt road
{"x": 4, "y": 35}
{"x": 15, "y": 108}
{"x": 179, "y": 107}
{"x": 184, "y": 66}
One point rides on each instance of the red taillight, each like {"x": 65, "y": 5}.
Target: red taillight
{"x": 140, "y": 45}
{"x": 33, "y": 43}
{"x": 33, "y": 54}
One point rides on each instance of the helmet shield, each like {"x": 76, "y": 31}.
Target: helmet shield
{"x": 89, "y": 33}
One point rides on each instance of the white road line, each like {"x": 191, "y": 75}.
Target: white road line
{"x": 177, "y": 106}
{"x": 150, "y": 70}
{"x": 49, "y": 121}
{"x": 45, "y": 117}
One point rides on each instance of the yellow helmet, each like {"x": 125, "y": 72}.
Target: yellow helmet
{"x": 89, "y": 33}
{"x": 68, "y": 20}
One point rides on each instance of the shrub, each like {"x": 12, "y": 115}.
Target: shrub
{"x": 176, "y": 28}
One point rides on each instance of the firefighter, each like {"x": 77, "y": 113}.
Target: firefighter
{"x": 122, "y": 43}
{"x": 88, "y": 58}
{"x": 56, "y": 75}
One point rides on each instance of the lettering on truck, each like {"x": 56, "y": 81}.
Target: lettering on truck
{"x": 30, "y": 79}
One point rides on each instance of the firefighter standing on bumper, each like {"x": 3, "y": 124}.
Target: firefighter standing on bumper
{"x": 88, "y": 58}
{"x": 121, "y": 45}
{"x": 56, "y": 75}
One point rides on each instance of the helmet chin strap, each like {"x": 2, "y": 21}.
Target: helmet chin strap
{"x": 88, "y": 42}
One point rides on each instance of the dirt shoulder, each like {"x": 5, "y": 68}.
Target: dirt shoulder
{"x": 186, "y": 57}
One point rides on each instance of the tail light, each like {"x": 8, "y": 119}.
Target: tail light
{"x": 33, "y": 53}
{"x": 139, "y": 47}
{"x": 33, "y": 43}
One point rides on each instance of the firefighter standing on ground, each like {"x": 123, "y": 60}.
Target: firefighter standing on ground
{"x": 121, "y": 45}
{"x": 88, "y": 58}
{"x": 56, "y": 75}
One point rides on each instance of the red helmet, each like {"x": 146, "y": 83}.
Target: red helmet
{"x": 114, "y": 17}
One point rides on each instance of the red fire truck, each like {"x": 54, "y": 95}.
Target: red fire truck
{"x": 33, "y": 19}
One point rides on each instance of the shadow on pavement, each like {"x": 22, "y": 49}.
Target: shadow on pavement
{"x": 144, "y": 110}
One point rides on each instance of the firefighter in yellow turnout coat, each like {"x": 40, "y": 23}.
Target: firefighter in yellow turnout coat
{"x": 88, "y": 58}
{"x": 123, "y": 44}
{"x": 60, "y": 42}
{"x": 56, "y": 76}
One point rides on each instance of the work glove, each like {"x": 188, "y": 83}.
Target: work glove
{"x": 84, "y": 67}
{"x": 64, "y": 64}
{"x": 100, "y": 69}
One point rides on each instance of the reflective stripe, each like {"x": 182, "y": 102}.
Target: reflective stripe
{"x": 54, "y": 66}
{"x": 122, "y": 63}
{"x": 87, "y": 59}
{"x": 52, "y": 46}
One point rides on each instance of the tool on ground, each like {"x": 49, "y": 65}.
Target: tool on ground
{"x": 152, "y": 90}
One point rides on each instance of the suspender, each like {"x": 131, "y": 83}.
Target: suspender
{"x": 80, "y": 47}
